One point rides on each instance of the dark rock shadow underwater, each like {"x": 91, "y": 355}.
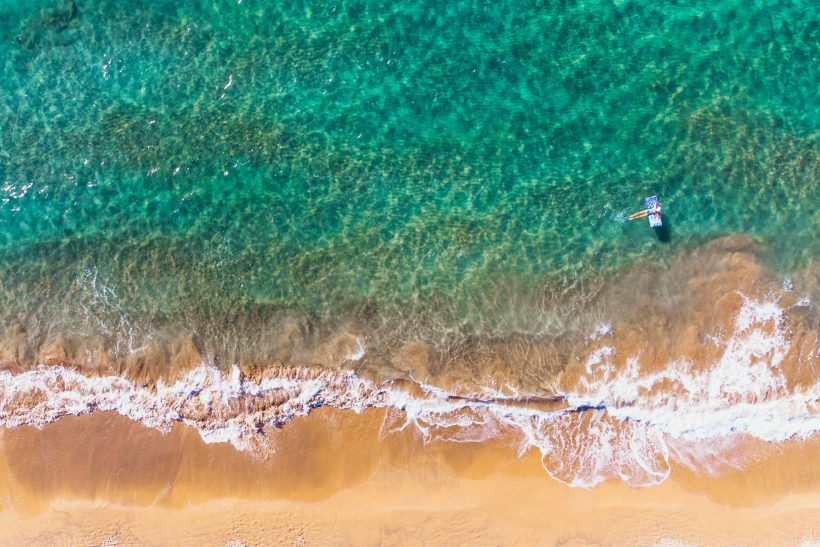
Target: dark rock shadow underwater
{"x": 49, "y": 27}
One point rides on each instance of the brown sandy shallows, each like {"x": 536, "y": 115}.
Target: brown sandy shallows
{"x": 103, "y": 479}
{"x": 665, "y": 309}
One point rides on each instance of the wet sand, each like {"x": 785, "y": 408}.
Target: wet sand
{"x": 334, "y": 479}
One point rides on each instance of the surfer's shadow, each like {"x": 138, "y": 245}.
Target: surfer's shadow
{"x": 664, "y": 233}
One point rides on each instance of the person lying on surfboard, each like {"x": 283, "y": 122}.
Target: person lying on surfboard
{"x": 655, "y": 209}
{"x": 652, "y": 210}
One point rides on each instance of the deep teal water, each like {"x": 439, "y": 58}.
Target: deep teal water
{"x": 428, "y": 166}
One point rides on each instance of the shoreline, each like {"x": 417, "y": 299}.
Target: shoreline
{"x": 628, "y": 410}
{"x": 333, "y": 479}
{"x": 697, "y": 427}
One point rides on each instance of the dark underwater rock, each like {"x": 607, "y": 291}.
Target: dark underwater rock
{"x": 53, "y": 26}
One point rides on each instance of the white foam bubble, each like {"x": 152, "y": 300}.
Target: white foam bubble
{"x": 601, "y": 329}
{"x": 788, "y": 284}
{"x": 358, "y": 354}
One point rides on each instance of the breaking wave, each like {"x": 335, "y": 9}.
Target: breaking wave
{"x": 618, "y": 418}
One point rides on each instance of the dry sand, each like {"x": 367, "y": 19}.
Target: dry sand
{"x": 103, "y": 479}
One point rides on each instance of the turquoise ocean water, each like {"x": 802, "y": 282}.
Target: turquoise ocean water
{"x": 421, "y": 169}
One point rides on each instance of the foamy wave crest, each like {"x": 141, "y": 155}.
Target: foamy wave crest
{"x": 695, "y": 411}
{"x": 223, "y": 407}
{"x": 614, "y": 423}
{"x": 744, "y": 391}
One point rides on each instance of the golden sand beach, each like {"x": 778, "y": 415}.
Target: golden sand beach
{"x": 102, "y": 479}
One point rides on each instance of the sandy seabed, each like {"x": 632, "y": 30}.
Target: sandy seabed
{"x": 333, "y": 479}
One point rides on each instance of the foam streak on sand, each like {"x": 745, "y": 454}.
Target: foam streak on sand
{"x": 612, "y": 423}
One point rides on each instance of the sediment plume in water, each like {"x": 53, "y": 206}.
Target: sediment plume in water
{"x": 680, "y": 378}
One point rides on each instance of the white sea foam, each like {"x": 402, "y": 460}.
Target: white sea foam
{"x": 615, "y": 423}
{"x": 358, "y": 354}
{"x": 601, "y": 329}
{"x": 788, "y": 284}
{"x": 744, "y": 391}
{"x": 103, "y": 312}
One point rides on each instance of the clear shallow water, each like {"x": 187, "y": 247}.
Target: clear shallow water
{"x": 429, "y": 169}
